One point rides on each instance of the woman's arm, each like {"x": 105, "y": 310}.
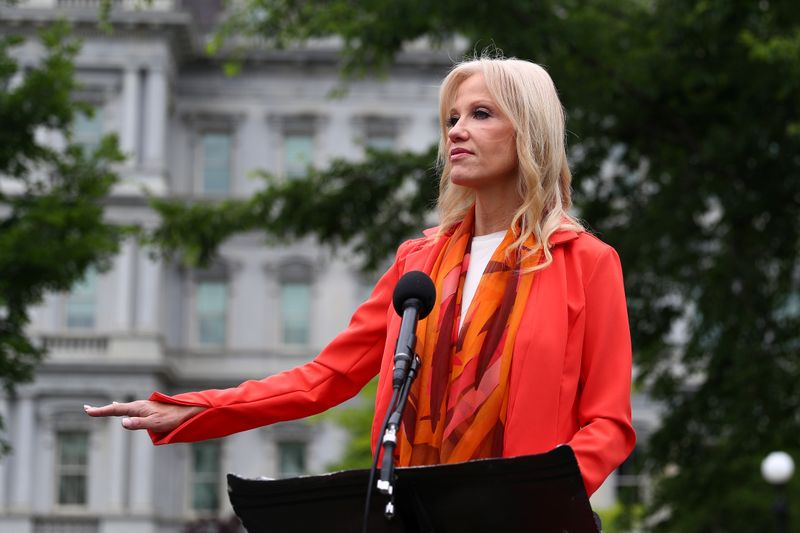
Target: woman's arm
{"x": 606, "y": 436}
{"x": 336, "y": 374}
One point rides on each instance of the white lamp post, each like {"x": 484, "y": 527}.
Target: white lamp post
{"x": 777, "y": 469}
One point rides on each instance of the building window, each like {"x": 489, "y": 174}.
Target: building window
{"x": 216, "y": 163}
{"x": 380, "y": 133}
{"x": 211, "y": 309}
{"x": 82, "y": 301}
{"x": 206, "y": 473}
{"x": 381, "y": 143}
{"x": 298, "y": 153}
{"x": 295, "y": 310}
{"x": 72, "y": 467}
{"x": 295, "y": 301}
{"x": 88, "y": 130}
{"x": 291, "y": 458}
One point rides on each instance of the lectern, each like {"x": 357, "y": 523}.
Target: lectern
{"x": 541, "y": 493}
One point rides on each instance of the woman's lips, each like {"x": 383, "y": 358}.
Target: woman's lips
{"x": 459, "y": 153}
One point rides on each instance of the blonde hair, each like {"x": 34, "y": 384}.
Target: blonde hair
{"x": 525, "y": 94}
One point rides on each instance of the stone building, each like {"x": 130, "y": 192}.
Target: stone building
{"x": 192, "y": 132}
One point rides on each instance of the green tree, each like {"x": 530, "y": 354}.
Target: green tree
{"x": 51, "y": 214}
{"x": 684, "y": 118}
{"x": 371, "y": 205}
{"x": 357, "y": 420}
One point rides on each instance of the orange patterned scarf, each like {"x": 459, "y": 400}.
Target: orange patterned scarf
{"x": 457, "y": 406}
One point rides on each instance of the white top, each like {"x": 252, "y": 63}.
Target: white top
{"x": 483, "y": 248}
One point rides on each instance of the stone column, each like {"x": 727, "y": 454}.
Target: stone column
{"x": 126, "y": 285}
{"x": 142, "y": 471}
{"x": 156, "y": 119}
{"x": 148, "y": 285}
{"x": 129, "y": 131}
{"x": 24, "y": 446}
{"x": 118, "y": 461}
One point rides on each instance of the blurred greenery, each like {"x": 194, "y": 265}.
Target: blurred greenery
{"x": 357, "y": 420}
{"x": 619, "y": 518}
{"x": 684, "y": 123}
{"x": 52, "y": 229}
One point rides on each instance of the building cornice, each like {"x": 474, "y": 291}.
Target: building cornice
{"x": 177, "y": 26}
{"x": 188, "y": 43}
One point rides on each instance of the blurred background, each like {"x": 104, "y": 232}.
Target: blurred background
{"x": 197, "y": 193}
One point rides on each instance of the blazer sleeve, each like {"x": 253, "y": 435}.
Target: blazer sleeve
{"x": 606, "y": 436}
{"x": 342, "y": 369}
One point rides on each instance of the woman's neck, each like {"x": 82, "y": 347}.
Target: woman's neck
{"x": 494, "y": 212}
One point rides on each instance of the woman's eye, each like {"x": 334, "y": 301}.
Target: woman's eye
{"x": 451, "y": 121}
{"x": 480, "y": 114}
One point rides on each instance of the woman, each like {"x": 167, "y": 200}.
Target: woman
{"x": 527, "y": 346}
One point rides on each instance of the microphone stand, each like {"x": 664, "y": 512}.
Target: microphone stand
{"x": 413, "y": 299}
{"x": 386, "y": 483}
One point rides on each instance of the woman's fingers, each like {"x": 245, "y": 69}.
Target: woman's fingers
{"x": 135, "y": 423}
{"x": 145, "y": 414}
{"x": 116, "y": 409}
{"x": 139, "y": 414}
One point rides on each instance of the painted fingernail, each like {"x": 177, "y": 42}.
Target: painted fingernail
{"x": 86, "y": 407}
{"x": 126, "y": 422}
{"x": 114, "y": 403}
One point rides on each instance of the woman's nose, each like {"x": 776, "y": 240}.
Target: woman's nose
{"x": 457, "y": 132}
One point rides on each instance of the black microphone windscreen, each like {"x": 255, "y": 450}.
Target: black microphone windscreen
{"x": 415, "y": 284}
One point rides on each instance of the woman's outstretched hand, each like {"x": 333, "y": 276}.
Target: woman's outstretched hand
{"x": 145, "y": 414}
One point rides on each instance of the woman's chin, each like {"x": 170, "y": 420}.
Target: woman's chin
{"x": 464, "y": 181}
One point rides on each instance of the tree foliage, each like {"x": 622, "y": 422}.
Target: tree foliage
{"x": 357, "y": 420}
{"x": 51, "y": 198}
{"x": 370, "y": 205}
{"x": 684, "y": 120}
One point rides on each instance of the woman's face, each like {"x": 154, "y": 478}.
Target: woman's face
{"x": 480, "y": 141}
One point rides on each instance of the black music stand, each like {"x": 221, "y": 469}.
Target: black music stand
{"x": 542, "y": 493}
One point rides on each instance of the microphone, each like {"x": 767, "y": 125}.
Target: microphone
{"x": 413, "y": 298}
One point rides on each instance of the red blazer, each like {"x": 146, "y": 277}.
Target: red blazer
{"x": 570, "y": 375}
